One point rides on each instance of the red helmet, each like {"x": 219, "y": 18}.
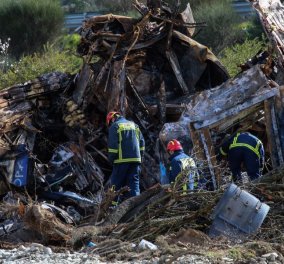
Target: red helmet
{"x": 174, "y": 145}
{"x": 111, "y": 115}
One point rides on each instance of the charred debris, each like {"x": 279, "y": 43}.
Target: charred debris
{"x": 53, "y": 144}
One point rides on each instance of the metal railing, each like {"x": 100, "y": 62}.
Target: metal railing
{"x": 243, "y": 7}
{"x": 74, "y": 21}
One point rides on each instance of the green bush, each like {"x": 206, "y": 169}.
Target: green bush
{"x": 252, "y": 28}
{"x": 29, "y": 24}
{"x": 31, "y": 66}
{"x": 221, "y": 30}
{"x": 68, "y": 42}
{"x": 238, "y": 54}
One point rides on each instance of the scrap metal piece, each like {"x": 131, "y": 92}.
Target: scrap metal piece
{"x": 237, "y": 214}
{"x": 9, "y": 226}
{"x": 67, "y": 197}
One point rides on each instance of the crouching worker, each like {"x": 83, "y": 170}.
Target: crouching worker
{"x": 125, "y": 151}
{"x": 181, "y": 165}
{"x": 244, "y": 149}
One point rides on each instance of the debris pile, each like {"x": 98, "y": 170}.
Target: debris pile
{"x": 54, "y": 166}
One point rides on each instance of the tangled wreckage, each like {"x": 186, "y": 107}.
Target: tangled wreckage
{"x": 54, "y": 166}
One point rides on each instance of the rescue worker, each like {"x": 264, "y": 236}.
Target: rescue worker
{"x": 245, "y": 149}
{"x": 125, "y": 151}
{"x": 181, "y": 163}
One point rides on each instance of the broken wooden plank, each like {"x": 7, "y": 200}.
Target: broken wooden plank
{"x": 137, "y": 95}
{"x": 228, "y": 122}
{"x": 212, "y": 154}
{"x": 275, "y": 132}
{"x": 162, "y": 103}
{"x": 208, "y": 157}
{"x": 82, "y": 83}
{"x": 117, "y": 98}
{"x": 270, "y": 134}
{"x": 177, "y": 71}
{"x": 197, "y": 145}
{"x": 237, "y": 109}
{"x": 187, "y": 17}
{"x": 279, "y": 105}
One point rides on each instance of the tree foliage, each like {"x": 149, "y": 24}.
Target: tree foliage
{"x": 222, "y": 25}
{"x": 54, "y": 58}
{"x": 29, "y": 24}
{"x": 238, "y": 54}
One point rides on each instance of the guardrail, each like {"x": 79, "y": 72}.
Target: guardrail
{"x": 74, "y": 21}
{"x": 243, "y": 8}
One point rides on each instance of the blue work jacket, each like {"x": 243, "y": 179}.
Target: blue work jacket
{"x": 179, "y": 162}
{"x": 125, "y": 142}
{"x": 244, "y": 140}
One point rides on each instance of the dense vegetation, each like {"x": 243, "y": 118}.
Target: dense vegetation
{"x": 57, "y": 57}
{"x": 29, "y": 24}
{"x": 28, "y": 49}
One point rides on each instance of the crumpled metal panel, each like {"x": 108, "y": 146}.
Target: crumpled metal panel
{"x": 237, "y": 213}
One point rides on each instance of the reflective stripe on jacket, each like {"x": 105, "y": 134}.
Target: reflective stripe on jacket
{"x": 244, "y": 140}
{"x": 125, "y": 142}
{"x": 182, "y": 163}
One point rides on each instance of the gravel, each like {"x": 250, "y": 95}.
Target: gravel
{"x": 39, "y": 254}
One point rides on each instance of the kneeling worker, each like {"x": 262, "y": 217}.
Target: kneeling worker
{"x": 181, "y": 163}
{"x": 125, "y": 151}
{"x": 244, "y": 148}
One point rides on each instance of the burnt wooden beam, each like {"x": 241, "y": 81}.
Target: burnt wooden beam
{"x": 275, "y": 132}
{"x": 82, "y": 83}
{"x": 172, "y": 57}
{"x": 235, "y": 110}
{"x": 208, "y": 158}
{"x": 212, "y": 154}
{"x": 162, "y": 103}
{"x": 117, "y": 99}
{"x": 137, "y": 95}
{"x": 279, "y": 105}
{"x": 196, "y": 142}
{"x": 270, "y": 134}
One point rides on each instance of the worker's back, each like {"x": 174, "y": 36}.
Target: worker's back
{"x": 126, "y": 140}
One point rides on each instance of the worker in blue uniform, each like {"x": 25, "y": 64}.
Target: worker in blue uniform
{"x": 244, "y": 149}
{"x": 126, "y": 146}
{"x": 181, "y": 164}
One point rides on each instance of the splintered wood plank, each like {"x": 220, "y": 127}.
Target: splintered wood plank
{"x": 197, "y": 145}
{"x": 235, "y": 110}
{"x": 279, "y": 107}
{"x": 208, "y": 158}
{"x": 172, "y": 57}
{"x": 276, "y": 134}
{"x": 270, "y": 134}
{"x": 212, "y": 154}
{"x": 117, "y": 99}
{"x": 82, "y": 83}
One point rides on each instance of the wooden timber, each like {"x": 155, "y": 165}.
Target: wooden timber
{"x": 270, "y": 134}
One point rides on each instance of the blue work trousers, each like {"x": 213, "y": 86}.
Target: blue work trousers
{"x": 126, "y": 174}
{"x": 251, "y": 162}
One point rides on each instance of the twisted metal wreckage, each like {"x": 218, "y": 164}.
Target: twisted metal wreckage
{"x": 54, "y": 165}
